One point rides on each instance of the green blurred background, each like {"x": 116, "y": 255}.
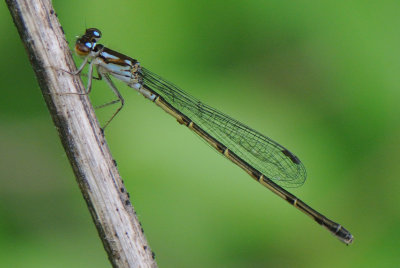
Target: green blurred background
{"x": 320, "y": 78}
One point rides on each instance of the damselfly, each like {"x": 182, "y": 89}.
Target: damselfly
{"x": 266, "y": 161}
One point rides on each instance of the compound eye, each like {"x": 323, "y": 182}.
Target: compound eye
{"x": 96, "y": 33}
{"x": 93, "y": 32}
{"x": 89, "y": 45}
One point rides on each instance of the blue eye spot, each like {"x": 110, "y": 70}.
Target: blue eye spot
{"x": 96, "y": 33}
{"x": 88, "y": 44}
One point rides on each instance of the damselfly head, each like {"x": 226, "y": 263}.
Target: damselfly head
{"x": 87, "y": 42}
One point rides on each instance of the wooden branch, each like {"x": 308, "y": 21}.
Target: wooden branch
{"x": 78, "y": 128}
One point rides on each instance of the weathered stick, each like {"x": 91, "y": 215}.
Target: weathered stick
{"x": 78, "y": 128}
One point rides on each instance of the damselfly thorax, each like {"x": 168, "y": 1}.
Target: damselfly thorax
{"x": 111, "y": 62}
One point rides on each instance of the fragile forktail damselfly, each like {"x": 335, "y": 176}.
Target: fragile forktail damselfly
{"x": 266, "y": 161}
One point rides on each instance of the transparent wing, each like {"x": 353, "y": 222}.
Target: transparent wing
{"x": 265, "y": 155}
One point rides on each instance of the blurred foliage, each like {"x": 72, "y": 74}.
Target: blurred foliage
{"x": 321, "y": 78}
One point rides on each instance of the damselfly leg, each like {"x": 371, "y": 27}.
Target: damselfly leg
{"x": 90, "y": 76}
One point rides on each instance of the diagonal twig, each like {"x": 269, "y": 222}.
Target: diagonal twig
{"x": 80, "y": 134}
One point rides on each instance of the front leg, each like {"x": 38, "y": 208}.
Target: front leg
{"x": 89, "y": 75}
